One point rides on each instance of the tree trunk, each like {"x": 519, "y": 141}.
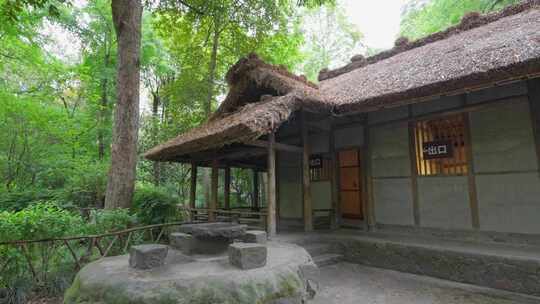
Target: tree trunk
{"x": 156, "y": 166}
{"x": 127, "y": 16}
{"x": 209, "y": 98}
{"x": 101, "y": 118}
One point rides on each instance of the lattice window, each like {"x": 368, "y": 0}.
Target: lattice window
{"x": 322, "y": 173}
{"x": 441, "y": 146}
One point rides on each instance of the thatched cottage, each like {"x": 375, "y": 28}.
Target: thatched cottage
{"x": 439, "y": 134}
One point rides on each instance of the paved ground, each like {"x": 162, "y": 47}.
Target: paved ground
{"x": 346, "y": 283}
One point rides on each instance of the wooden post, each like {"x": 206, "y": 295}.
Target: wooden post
{"x": 414, "y": 168}
{"x": 369, "y": 180}
{"x": 471, "y": 177}
{"x": 308, "y": 209}
{"x": 227, "y": 189}
{"x": 213, "y": 192}
{"x": 533, "y": 89}
{"x": 255, "y": 193}
{"x": 271, "y": 197}
{"x": 193, "y": 191}
{"x": 334, "y": 178}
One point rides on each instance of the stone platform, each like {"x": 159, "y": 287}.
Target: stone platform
{"x": 196, "y": 279}
{"x": 501, "y": 266}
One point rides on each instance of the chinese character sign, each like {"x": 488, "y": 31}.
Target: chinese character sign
{"x": 437, "y": 149}
{"x": 315, "y": 162}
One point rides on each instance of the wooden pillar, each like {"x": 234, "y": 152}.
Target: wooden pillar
{"x": 306, "y": 180}
{"x": 255, "y": 193}
{"x": 227, "y": 189}
{"x": 414, "y": 168}
{"x": 369, "y": 179}
{"x": 213, "y": 192}
{"x": 193, "y": 189}
{"x": 334, "y": 221}
{"x": 272, "y": 194}
{"x": 533, "y": 89}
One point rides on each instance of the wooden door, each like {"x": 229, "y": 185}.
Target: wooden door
{"x": 350, "y": 184}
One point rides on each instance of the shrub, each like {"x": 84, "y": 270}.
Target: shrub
{"x": 102, "y": 221}
{"x": 16, "y": 201}
{"x": 86, "y": 186}
{"x": 42, "y": 220}
{"x": 154, "y": 206}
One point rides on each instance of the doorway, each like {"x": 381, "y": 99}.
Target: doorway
{"x": 350, "y": 184}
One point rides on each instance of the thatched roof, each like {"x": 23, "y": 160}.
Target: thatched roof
{"x": 481, "y": 51}
{"x": 250, "y": 78}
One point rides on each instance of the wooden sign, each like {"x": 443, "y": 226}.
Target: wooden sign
{"x": 438, "y": 149}
{"x": 315, "y": 161}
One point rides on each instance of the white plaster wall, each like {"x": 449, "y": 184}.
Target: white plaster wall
{"x": 503, "y": 139}
{"x": 444, "y": 202}
{"x": 290, "y": 185}
{"x": 514, "y": 89}
{"x": 319, "y": 143}
{"x": 349, "y": 137}
{"x": 388, "y": 115}
{"x": 509, "y": 202}
{"x": 390, "y": 151}
{"x": 321, "y": 195}
{"x": 436, "y": 105}
{"x": 393, "y": 201}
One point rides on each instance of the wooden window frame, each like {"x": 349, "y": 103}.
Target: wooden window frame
{"x": 453, "y": 128}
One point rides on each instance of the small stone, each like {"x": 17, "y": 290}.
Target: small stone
{"x": 247, "y": 255}
{"x": 147, "y": 256}
{"x": 182, "y": 241}
{"x": 311, "y": 289}
{"x": 291, "y": 300}
{"x": 255, "y": 236}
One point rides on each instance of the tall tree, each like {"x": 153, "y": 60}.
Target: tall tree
{"x": 127, "y": 15}
{"x": 330, "y": 39}
{"x": 441, "y": 14}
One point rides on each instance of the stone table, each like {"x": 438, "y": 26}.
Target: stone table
{"x": 212, "y": 238}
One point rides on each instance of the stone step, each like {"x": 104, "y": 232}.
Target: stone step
{"x": 318, "y": 249}
{"x": 327, "y": 259}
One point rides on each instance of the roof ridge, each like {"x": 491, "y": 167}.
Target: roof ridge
{"x": 469, "y": 21}
{"x": 252, "y": 61}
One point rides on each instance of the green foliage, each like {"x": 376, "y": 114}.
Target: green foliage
{"x": 42, "y": 220}
{"x": 85, "y": 186}
{"x": 154, "y": 206}
{"x": 16, "y": 201}
{"x": 330, "y": 40}
{"x": 441, "y": 14}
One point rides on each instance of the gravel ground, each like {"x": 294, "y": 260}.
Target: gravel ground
{"x": 346, "y": 283}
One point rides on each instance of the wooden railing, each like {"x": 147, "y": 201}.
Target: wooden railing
{"x": 254, "y": 219}
{"x": 39, "y": 261}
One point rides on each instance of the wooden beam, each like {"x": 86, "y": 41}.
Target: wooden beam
{"x": 277, "y": 146}
{"x": 255, "y": 193}
{"x": 230, "y": 155}
{"x": 272, "y": 194}
{"x": 306, "y": 180}
{"x": 213, "y": 192}
{"x": 193, "y": 188}
{"x": 227, "y": 189}
{"x": 533, "y": 89}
